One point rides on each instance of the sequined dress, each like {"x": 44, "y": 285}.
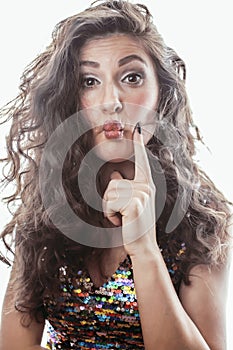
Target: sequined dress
{"x": 85, "y": 317}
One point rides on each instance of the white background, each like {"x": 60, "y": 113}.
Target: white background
{"x": 200, "y": 31}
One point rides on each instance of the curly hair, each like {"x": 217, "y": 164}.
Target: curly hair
{"x": 49, "y": 94}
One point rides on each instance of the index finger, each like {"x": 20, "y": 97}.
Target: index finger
{"x": 142, "y": 165}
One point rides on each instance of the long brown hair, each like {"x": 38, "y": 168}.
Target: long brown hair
{"x": 48, "y": 96}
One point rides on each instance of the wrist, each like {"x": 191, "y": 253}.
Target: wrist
{"x": 146, "y": 254}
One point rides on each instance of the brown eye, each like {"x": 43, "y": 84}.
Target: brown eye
{"x": 133, "y": 79}
{"x": 89, "y": 82}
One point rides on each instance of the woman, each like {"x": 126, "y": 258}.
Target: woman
{"x": 121, "y": 241}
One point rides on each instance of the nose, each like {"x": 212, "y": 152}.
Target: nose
{"x": 111, "y": 100}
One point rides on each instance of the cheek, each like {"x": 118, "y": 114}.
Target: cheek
{"x": 136, "y": 97}
{"x": 85, "y": 102}
{"x": 143, "y": 109}
{"x": 90, "y": 98}
{"x": 90, "y": 112}
{"x": 147, "y": 99}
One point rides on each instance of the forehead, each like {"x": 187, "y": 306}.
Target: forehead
{"x": 114, "y": 45}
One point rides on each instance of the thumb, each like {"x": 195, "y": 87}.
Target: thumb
{"x": 116, "y": 175}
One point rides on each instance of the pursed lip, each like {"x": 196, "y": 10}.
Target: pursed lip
{"x": 112, "y": 125}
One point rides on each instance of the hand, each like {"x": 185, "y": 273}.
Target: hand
{"x": 134, "y": 200}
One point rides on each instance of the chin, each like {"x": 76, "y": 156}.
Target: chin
{"x": 114, "y": 152}
{"x": 113, "y": 157}
{"x": 117, "y": 160}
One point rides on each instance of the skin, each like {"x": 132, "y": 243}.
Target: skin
{"x": 127, "y": 91}
{"x": 192, "y": 320}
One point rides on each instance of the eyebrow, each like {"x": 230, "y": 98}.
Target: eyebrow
{"x": 121, "y": 62}
{"x": 90, "y": 64}
{"x": 130, "y": 58}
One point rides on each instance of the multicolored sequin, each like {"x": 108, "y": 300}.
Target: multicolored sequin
{"x": 85, "y": 317}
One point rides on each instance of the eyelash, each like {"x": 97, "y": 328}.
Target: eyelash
{"x": 84, "y": 81}
{"x": 140, "y": 75}
{"x": 138, "y": 82}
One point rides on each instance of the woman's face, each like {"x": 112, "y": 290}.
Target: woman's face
{"x": 119, "y": 88}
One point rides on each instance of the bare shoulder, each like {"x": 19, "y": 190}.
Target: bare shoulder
{"x": 207, "y": 279}
{"x": 205, "y": 302}
{"x": 12, "y": 334}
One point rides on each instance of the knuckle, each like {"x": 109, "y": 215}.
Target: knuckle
{"x": 113, "y": 184}
{"x": 127, "y": 184}
{"x": 149, "y": 189}
{"x": 152, "y": 188}
{"x": 137, "y": 203}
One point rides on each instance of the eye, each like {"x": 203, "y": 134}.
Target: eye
{"x": 133, "y": 79}
{"x": 89, "y": 82}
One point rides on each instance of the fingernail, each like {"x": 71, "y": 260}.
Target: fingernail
{"x": 139, "y": 129}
